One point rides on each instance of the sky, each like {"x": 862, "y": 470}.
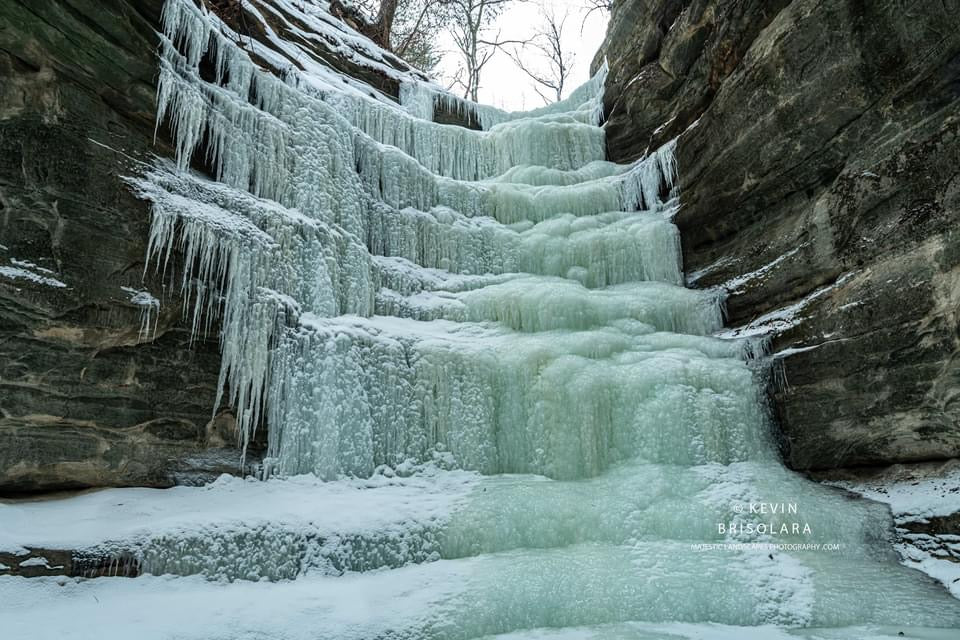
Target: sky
{"x": 503, "y": 84}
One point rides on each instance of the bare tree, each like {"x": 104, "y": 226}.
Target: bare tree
{"x": 471, "y": 23}
{"x": 603, "y": 6}
{"x": 550, "y": 77}
{"x": 378, "y": 17}
{"x": 409, "y": 28}
{"x": 384, "y": 23}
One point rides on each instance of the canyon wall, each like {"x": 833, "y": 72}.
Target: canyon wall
{"x": 819, "y": 159}
{"x": 90, "y": 394}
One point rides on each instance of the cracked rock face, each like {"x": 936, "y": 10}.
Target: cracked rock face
{"x": 820, "y": 179}
{"x": 99, "y": 384}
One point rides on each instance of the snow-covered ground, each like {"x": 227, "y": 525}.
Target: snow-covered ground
{"x": 348, "y": 608}
{"x": 615, "y": 454}
{"x": 913, "y": 498}
{"x": 129, "y": 516}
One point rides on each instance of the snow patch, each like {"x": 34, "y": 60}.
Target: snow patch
{"x": 784, "y": 318}
{"x": 734, "y": 284}
{"x": 915, "y": 500}
{"x": 29, "y": 272}
{"x": 39, "y": 561}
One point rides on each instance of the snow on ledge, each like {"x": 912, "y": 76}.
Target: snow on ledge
{"x": 28, "y": 271}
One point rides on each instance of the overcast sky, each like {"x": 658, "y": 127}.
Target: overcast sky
{"x": 503, "y": 84}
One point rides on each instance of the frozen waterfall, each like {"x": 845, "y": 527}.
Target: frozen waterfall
{"x": 491, "y": 405}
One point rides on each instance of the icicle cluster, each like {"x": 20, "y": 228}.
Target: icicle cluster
{"x": 332, "y": 205}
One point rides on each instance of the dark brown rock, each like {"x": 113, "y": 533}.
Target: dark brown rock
{"x": 820, "y": 175}
{"x": 88, "y": 397}
{"x": 34, "y": 562}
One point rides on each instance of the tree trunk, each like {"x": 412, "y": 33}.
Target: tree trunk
{"x": 384, "y": 25}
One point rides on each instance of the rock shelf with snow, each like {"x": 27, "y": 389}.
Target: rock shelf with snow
{"x": 491, "y": 405}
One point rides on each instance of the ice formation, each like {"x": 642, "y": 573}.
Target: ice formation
{"x": 311, "y": 183}
{"x": 477, "y": 367}
{"x": 149, "y": 308}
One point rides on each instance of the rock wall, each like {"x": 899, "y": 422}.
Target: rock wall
{"x": 93, "y": 391}
{"x": 89, "y": 395}
{"x": 819, "y": 158}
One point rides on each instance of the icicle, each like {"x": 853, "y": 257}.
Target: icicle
{"x": 649, "y": 177}
{"x": 248, "y": 262}
{"x": 149, "y": 310}
{"x": 334, "y": 177}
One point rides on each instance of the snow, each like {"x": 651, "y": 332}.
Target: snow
{"x": 789, "y": 351}
{"x": 695, "y": 276}
{"x": 734, "y": 284}
{"x": 916, "y": 554}
{"x": 411, "y": 602}
{"x": 162, "y": 608}
{"x": 23, "y": 270}
{"x": 664, "y": 125}
{"x": 351, "y": 607}
{"x": 224, "y": 531}
{"x": 914, "y": 499}
{"x": 128, "y": 518}
{"x": 683, "y": 631}
{"x": 39, "y": 562}
{"x": 780, "y": 320}
{"x": 29, "y": 265}
{"x": 851, "y": 305}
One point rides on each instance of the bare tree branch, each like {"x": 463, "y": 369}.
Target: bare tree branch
{"x": 409, "y": 28}
{"x": 556, "y": 62}
{"x": 470, "y": 24}
{"x": 592, "y": 6}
